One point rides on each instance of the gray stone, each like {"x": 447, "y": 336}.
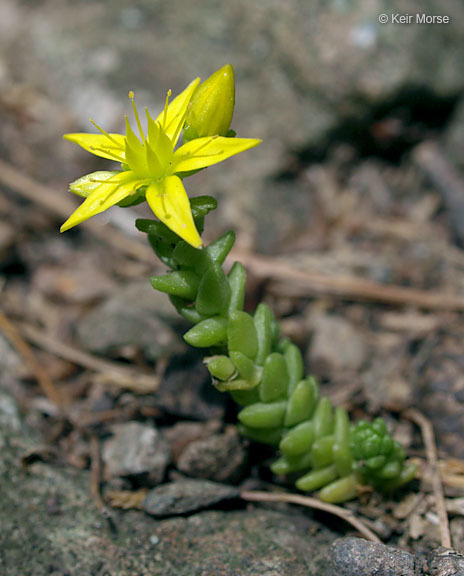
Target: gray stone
{"x": 186, "y": 496}
{"x": 182, "y": 434}
{"x": 221, "y": 458}
{"x": 356, "y": 557}
{"x": 136, "y": 451}
{"x": 137, "y": 316}
{"x": 336, "y": 345}
{"x": 446, "y": 562}
{"x": 254, "y": 542}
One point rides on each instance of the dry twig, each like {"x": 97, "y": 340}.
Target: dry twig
{"x": 347, "y": 515}
{"x": 299, "y": 283}
{"x": 428, "y": 436}
{"x": 111, "y": 372}
{"x": 45, "y": 382}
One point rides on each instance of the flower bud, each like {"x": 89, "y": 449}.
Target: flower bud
{"x": 212, "y": 106}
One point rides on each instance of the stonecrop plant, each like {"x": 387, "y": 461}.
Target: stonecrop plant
{"x": 263, "y": 372}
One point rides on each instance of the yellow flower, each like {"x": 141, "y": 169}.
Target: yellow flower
{"x": 152, "y": 166}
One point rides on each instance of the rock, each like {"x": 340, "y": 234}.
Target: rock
{"x": 136, "y": 451}
{"x": 221, "y": 458}
{"x": 336, "y": 345}
{"x": 356, "y": 557}
{"x": 135, "y": 315}
{"x": 185, "y": 496}
{"x": 182, "y": 434}
{"x": 446, "y": 562}
{"x": 254, "y": 542}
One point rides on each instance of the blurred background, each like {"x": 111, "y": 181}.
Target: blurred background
{"x": 349, "y": 218}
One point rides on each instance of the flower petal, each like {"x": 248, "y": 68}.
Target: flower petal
{"x": 106, "y": 195}
{"x": 172, "y": 119}
{"x": 203, "y": 152}
{"x": 169, "y": 201}
{"x": 101, "y": 145}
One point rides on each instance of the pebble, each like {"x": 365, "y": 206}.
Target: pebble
{"x": 221, "y": 457}
{"x": 186, "y": 496}
{"x": 136, "y": 451}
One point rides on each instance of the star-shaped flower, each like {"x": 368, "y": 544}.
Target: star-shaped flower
{"x": 152, "y": 166}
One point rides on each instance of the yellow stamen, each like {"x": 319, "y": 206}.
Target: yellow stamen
{"x": 195, "y": 154}
{"x": 166, "y": 104}
{"x": 179, "y": 125}
{"x": 136, "y": 114}
{"x": 105, "y": 133}
{"x": 109, "y": 152}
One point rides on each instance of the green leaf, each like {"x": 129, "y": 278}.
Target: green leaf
{"x": 261, "y": 415}
{"x": 295, "y": 366}
{"x": 298, "y": 440}
{"x": 237, "y": 282}
{"x": 340, "y": 490}
{"x": 202, "y": 205}
{"x": 245, "y": 397}
{"x": 241, "y": 334}
{"x": 178, "y": 283}
{"x": 236, "y": 385}
{"x": 220, "y": 367}
{"x": 317, "y": 479}
{"x": 263, "y": 436}
{"x": 186, "y": 310}
{"x": 302, "y": 402}
{"x": 156, "y": 228}
{"x": 263, "y": 323}
{"x": 186, "y": 255}
{"x": 323, "y": 418}
{"x": 244, "y": 365}
{"x": 220, "y": 248}
{"x": 209, "y": 332}
{"x": 286, "y": 465}
{"x": 213, "y": 292}
{"x": 322, "y": 451}
{"x": 274, "y": 380}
